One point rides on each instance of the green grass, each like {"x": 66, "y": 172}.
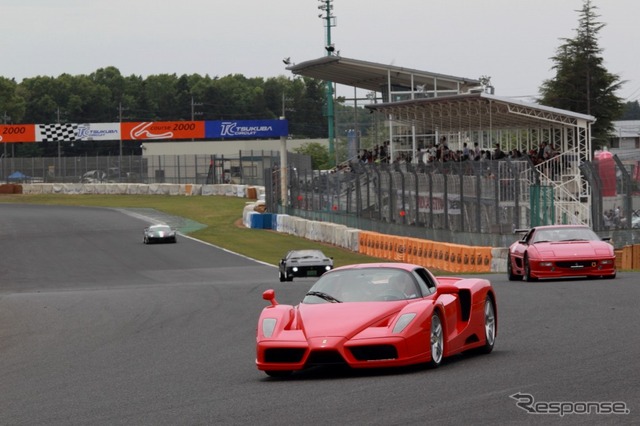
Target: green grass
{"x": 222, "y": 216}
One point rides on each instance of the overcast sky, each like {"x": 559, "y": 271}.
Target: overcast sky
{"x": 509, "y": 40}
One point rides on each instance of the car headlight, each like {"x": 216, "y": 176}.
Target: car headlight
{"x": 268, "y": 325}
{"x": 294, "y": 269}
{"x": 328, "y": 267}
{"x": 403, "y": 322}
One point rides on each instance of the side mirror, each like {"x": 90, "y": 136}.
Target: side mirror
{"x": 270, "y": 296}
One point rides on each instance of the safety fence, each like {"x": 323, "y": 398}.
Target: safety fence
{"x": 479, "y": 203}
{"x": 247, "y": 168}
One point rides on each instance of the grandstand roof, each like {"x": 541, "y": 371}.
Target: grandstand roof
{"x": 376, "y": 77}
{"x": 479, "y": 111}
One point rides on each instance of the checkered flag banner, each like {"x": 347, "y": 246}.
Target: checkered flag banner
{"x": 57, "y": 132}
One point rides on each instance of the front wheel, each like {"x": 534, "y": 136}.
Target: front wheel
{"x": 436, "y": 341}
{"x": 527, "y": 271}
{"x": 489, "y": 326}
{"x": 510, "y": 274}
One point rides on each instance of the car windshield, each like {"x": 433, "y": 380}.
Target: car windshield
{"x": 161, "y": 228}
{"x": 306, "y": 254}
{"x": 363, "y": 285}
{"x": 565, "y": 234}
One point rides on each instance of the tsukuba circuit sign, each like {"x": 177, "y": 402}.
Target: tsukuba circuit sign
{"x": 147, "y": 130}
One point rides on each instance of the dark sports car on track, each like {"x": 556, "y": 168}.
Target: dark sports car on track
{"x": 159, "y": 234}
{"x": 559, "y": 251}
{"x": 304, "y": 263}
{"x": 377, "y": 315}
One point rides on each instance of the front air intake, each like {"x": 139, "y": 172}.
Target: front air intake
{"x": 374, "y": 352}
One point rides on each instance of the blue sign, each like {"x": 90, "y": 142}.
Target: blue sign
{"x": 246, "y": 129}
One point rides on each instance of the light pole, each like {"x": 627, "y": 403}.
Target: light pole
{"x": 326, "y": 6}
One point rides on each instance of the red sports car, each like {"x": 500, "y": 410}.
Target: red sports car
{"x": 377, "y": 315}
{"x": 559, "y": 251}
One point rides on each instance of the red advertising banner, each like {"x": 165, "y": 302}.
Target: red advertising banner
{"x": 150, "y": 130}
{"x": 17, "y": 133}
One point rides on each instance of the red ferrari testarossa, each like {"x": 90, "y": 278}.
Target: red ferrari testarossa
{"x": 377, "y": 315}
{"x": 558, "y": 251}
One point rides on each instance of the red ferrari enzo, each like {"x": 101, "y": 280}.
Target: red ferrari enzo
{"x": 559, "y": 251}
{"x": 377, "y": 315}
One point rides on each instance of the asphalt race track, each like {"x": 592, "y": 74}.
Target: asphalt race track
{"x": 97, "y": 328}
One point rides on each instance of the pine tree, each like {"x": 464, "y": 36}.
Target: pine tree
{"x": 582, "y": 84}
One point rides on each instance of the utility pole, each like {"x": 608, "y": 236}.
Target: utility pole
{"x": 193, "y": 110}
{"x": 120, "y": 109}
{"x": 326, "y": 6}
{"x": 5, "y": 120}
{"x": 120, "y": 121}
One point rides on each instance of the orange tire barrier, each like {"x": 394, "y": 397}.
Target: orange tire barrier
{"x": 362, "y": 242}
{"x": 626, "y": 258}
{"x": 483, "y": 259}
{"x": 427, "y": 254}
{"x": 365, "y": 243}
{"x": 378, "y": 249}
{"x": 10, "y": 188}
{"x": 252, "y": 193}
{"x": 431, "y": 256}
{"x": 635, "y": 256}
{"x": 455, "y": 257}
{"x": 398, "y": 249}
{"x": 423, "y": 249}
{"x": 384, "y": 247}
{"x": 439, "y": 256}
{"x": 411, "y": 250}
{"x": 618, "y": 260}
{"x": 468, "y": 253}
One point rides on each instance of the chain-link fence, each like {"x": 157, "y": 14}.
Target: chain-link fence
{"x": 473, "y": 202}
{"x": 246, "y": 168}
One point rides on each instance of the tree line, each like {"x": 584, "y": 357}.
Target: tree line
{"x": 107, "y": 96}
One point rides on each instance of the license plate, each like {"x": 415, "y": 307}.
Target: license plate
{"x": 312, "y": 273}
